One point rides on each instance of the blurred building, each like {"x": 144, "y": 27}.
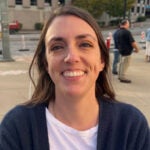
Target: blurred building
{"x": 30, "y": 12}
{"x": 147, "y": 8}
{"x": 139, "y": 9}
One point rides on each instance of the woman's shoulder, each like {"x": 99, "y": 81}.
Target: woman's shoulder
{"x": 127, "y": 108}
{"x": 124, "y": 121}
{"x": 22, "y": 113}
{"x": 124, "y": 110}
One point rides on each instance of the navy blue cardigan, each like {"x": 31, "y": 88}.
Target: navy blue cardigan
{"x": 121, "y": 127}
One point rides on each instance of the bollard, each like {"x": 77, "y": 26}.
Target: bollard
{"x": 108, "y": 41}
{"x": 142, "y": 36}
{"x": 23, "y": 43}
{"x": 143, "y": 42}
{"x": 110, "y": 35}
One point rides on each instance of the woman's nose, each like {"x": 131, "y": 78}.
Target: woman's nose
{"x": 72, "y": 55}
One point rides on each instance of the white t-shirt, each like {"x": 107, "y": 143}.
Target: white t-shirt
{"x": 63, "y": 137}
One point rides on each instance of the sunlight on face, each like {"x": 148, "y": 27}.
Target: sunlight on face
{"x": 73, "y": 56}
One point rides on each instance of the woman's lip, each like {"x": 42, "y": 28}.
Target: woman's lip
{"x": 75, "y": 73}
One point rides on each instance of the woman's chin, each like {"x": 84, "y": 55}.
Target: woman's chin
{"x": 73, "y": 92}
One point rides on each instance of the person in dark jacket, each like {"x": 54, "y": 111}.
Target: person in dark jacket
{"x": 73, "y": 105}
{"x": 126, "y": 45}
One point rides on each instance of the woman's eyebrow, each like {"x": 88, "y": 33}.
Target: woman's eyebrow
{"x": 54, "y": 39}
{"x": 82, "y": 36}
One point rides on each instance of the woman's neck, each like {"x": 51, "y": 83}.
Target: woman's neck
{"x": 79, "y": 114}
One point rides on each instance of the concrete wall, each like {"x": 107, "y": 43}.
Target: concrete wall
{"x": 26, "y": 14}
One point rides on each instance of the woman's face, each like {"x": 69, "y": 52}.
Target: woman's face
{"x": 73, "y": 56}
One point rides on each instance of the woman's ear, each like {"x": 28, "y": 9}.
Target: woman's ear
{"x": 101, "y": 66}
{"x": 45, "y": 63}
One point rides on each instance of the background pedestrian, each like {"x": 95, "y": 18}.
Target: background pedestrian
{"x": 147, "y": 52}
{"x": 116, "y": 52}
{"x": 126, "y": 45}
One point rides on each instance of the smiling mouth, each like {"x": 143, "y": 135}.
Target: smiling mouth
{"x": 73, "y": 73}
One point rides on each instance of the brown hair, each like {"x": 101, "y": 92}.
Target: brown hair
{"x": 45, "y": 88}
{"x": 123, "y": 22}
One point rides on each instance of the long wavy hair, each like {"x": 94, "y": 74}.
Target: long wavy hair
{"x": 44, "y": 91}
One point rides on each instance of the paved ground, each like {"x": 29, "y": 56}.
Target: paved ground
{"x": 14, "y": 83}
{"x": 15, "y": 86}
{"x": 138, "y": 92}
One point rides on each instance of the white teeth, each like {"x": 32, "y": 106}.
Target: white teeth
{"x": 73, "y": 73}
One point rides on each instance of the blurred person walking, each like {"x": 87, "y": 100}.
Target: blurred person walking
{"x": 116, "y": 53}
{"x": 126, "y": 45}
{"x": 147, "y": 52}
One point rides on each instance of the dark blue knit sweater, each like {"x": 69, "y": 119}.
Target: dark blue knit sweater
{"x": 121, "y": 127}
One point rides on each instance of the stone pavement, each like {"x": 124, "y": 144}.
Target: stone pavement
{"x": 15, "y": 86}
{"x": 138, "y": 92}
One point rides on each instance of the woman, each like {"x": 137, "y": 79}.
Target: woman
{"x": 73, "y": 105}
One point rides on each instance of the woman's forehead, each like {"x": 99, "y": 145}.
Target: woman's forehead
{"x": 69, "y": 25}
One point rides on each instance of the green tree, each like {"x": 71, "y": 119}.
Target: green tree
{"x": 93, "y": 6}
{"x": 114, "y": 8}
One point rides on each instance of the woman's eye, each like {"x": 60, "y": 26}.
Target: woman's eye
{"x": 86, "y": 45}
{"x": 57, "y": 47}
